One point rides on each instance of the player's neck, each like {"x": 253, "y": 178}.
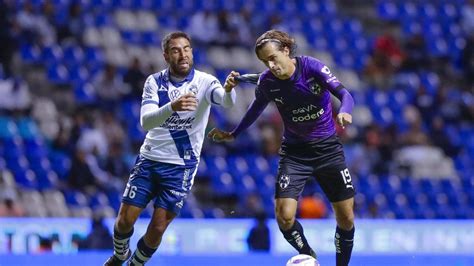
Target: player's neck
{"x": 175, "y": 77}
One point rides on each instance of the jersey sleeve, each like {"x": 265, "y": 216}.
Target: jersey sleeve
{"x": 327, "y": 80}
{"x": 216, "y": 94}
{"x": 255, "y": 110}
{"x": 151, "y": 115}
{"x": 150, "y": 91}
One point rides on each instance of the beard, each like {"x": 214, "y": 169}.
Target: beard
{"x": 180, "y": 70}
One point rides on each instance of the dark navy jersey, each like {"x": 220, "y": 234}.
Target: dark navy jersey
{"x": 303, "y": 101}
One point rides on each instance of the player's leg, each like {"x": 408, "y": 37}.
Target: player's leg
{"x": 292, "y": 177}
{"x": 149, "y": 243}
{"x": 137, "y": 194}
{"x": 337, "y": 185}
{"x": 173, "y": 184}
{"x": 344, "y": 237}
{"x": 335, "y": 180}
{"x": 285, "y": 212}
{"x": 123, "y": 231}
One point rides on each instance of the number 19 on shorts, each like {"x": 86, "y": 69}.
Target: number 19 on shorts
{"x": 346, "y": 176}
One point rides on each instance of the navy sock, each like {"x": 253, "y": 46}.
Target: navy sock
{"x": 295, "y": 236}
{"x": 121, "y": 244}
{"x": 344, "y": 241}
{"x": 142, "y": 254}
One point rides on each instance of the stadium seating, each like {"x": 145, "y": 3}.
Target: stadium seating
{"x": 118, "y": 30}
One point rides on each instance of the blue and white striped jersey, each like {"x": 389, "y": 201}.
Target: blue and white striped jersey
{"x": 177, "y": 137}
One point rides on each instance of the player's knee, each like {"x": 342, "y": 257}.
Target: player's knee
{"x": 345, "y": 221}
{"x": 124, "y": 223}
{"x": 155, "y": 233}
{"x": 159, "y": 228}
{"x": 285, "y": 220}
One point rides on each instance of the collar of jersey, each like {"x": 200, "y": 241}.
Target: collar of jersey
{"x": 189, "y": 78}
{"x": 297, "y": 73}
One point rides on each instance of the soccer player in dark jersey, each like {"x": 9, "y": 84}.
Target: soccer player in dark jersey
{"x": 301, "y": 88}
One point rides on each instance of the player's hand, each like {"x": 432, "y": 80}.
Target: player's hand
{"x": 187, "y": 102}
{"x": 230, "y": 82}
{"x": 218, "y": 135}
{"x": 344, "y": 119}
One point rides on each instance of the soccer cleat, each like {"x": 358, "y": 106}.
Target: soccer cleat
{"x": 313, "y": 254}
{"x": 114, "y": 261}
{"x": 248, "y": 78}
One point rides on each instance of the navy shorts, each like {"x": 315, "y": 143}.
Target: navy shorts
{"x": 168, "y": 184}
{"x": 324, "y": 160}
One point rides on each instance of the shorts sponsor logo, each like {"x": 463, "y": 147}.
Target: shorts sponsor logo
{"x": 284, "y": 181}
{"x": 180, "y": 204}
{"x": 177, "y": 193}
{"x": 186, "y": 177}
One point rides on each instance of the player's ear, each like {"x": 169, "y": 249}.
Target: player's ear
{"x": 166, "y": 56}
{"x": 286, "y": 51}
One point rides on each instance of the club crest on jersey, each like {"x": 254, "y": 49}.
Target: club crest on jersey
{"x": 284, "y": 181}
{"x": 193, "y": 89}
{"x": 174, "y": 94}
{"x": 315, "y": 88}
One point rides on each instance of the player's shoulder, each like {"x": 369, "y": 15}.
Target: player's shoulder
{"x": 154, "y": 77}
{"x": 266, "y": 78}
{"x": 307, "y": 60}
{"x": 204, "y": 76}
{"x": 313, "y": 66}
{"x": 205, "y": 79}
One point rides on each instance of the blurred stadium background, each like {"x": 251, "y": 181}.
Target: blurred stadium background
{"x": 71, "y": 76}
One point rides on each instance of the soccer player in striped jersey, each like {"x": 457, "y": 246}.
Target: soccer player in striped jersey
{"x": 175, "y": 110}
{"x": 301, "y": 88}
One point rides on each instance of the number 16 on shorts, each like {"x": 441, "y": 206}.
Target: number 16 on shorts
{"x": 131, "y": 191}
{"x": 346, "y": 176}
